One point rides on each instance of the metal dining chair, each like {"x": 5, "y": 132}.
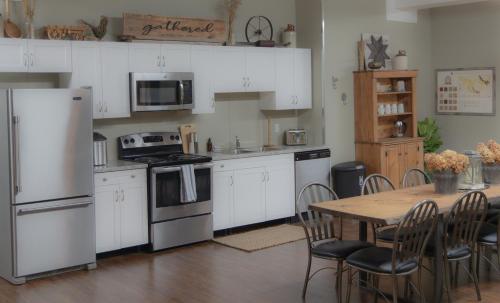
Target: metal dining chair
{"x": 415, "y": 177}
{"x": 488, "y": 239}
{"x": 373, "y": 184}
{"x": 322, "y": 240}
{"x": 462, "y": 226}
{"x": 403, "y": 258}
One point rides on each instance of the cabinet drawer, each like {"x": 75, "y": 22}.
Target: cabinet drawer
{"x": 120, "y": 177}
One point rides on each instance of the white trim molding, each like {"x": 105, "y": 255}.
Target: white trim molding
{"x": 407, "y": 10}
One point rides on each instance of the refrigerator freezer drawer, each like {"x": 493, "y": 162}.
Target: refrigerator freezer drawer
{"x": 54, "y": 235}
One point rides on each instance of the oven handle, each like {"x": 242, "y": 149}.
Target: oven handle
{"x": 162, "y": 170}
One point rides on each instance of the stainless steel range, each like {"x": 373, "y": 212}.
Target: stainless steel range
{"x": 179, "y": 188}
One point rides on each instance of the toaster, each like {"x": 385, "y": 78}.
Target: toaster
{"x": 295, "y": 137}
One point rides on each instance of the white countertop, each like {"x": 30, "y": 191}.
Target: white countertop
{"x": 219, "y": 156}
{"x": 118, "y": 165}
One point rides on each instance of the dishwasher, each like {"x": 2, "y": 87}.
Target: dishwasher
{"x": 312, "y": 167}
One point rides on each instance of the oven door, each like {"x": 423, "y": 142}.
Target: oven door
{"x": 161, "y": 91}
{"x": 165, "y": 193}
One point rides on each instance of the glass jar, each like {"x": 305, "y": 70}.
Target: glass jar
{"x": 472, "y": 178}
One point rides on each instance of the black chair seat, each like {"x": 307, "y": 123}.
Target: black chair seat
{"x": 488, "y": 234}
{"x": 379, "y": 260}
{"x": 453, "y": 253}
{"x": 387, "y": 234}
{"x": 492, "y": 215}
{"x": 338, "y": 249}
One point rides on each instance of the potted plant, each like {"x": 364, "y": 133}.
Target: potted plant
{"x": 429, "y": 130}
{"x": 446, "y": 167}
{"x": 490, "y": 156}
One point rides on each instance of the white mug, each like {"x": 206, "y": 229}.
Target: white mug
{"x": 401, "y": 108}
{"x": 381, "y": 110}
{"x": 401, "y": 86}
{"x": 394, "y": 108}
{"x": 388, "y": 109}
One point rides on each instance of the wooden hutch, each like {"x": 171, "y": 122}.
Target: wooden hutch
{"x": 376, "y": 145}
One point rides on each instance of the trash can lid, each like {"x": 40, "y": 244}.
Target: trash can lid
{"x": 349, "y": 166}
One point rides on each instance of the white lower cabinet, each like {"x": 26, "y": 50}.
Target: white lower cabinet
{"x": 253, "y": 190}
{"x": 249, "y": 196}
{"x": 121, "y": 210}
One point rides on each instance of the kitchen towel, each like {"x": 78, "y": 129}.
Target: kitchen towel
{"x": 188, "y": 184}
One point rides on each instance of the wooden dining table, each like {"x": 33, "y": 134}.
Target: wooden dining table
{"x": 391, "y": 206}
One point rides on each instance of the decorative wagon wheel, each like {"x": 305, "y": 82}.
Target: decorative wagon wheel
{"x": 259, "y": 28}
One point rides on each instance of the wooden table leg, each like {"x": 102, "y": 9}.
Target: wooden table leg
{"x": 438, "y": 261}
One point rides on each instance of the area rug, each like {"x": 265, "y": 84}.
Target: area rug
{"x": 263, "y": 238}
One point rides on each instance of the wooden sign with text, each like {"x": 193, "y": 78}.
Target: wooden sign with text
{"x": 147, "y": 27}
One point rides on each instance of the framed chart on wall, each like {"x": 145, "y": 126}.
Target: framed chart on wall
{"x": 466, "y": 91}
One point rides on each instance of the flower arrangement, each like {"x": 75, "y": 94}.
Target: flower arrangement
{"x": 489, "y": 152}
{"x": 490, "y": 156}
{"x": 448, "y": 160}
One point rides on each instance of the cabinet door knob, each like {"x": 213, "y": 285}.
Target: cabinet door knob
{"x": 132, "y": 176}
{"x": 104, "y": 179}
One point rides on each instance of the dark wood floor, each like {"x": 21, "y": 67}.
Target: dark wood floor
{"x": 206, "y": 272}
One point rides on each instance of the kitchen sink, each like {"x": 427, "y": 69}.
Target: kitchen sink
{"x": 249, "y": 150}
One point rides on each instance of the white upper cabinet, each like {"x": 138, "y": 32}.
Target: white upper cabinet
{"x": 157, "y": 58}
{"x": 260, "y": 69}
{"x": 49, "y": 56}
{"x": 230, "y": 76}
{"x": 303, "y": 79}
{"x": 86, "y": 61}
{"x": 115, "y": 80}
{"x": 36, "y": 56}
{"x": 203, "y": 69}
{"x": 293, "y": 81}
{"x": 244, "y": 69}
{"x": 176, "y": 58}
{"x": 14, "y": 56}
{"x": 145, "y": 58}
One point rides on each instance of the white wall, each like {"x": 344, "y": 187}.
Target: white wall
{"x": 345, "y": 21}
{"x": 465, "y": 37}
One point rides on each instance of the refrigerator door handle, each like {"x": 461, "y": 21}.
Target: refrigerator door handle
{"x": 17, "y": 170}
{"x": 28, "y": 211}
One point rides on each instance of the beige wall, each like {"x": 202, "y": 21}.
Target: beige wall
{"x": 236, "y": 115}
{"x": 344, "y": 23}
{"x": 463, "y": 37}
{"x": 310, "y": 35}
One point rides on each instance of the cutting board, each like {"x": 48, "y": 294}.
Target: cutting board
{"x": 186, "y": 130}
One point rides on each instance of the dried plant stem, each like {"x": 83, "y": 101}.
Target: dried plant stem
{"x": 231, "y": 6}
{"x": 29, "y": 9}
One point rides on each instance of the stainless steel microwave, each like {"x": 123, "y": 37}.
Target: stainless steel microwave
{"x": 161, "y": 91}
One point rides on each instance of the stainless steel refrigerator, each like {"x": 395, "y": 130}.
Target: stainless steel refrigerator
{"x": 47, "y": 219}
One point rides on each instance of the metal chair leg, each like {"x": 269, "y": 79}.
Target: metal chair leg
{"x": 447, "y": 277}
{"x": 375, "y": 286}
{"x": 340, "y": 267}
{"x": 349, "y": 284}
{"x": 306, "y": 282}
{"x": 420, "y": 286}
{"x": 395, "y": 289}
{"x": 476, "y": 279}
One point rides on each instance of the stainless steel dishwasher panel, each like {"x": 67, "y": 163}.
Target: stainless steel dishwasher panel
{"x": 315, "y": 170}
{"x": 54, "y": 235}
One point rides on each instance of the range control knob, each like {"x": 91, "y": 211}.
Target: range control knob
{"x": 125, "y": 141}
{"x": 177, "y": 138}
{"x": 172, "y": 137}
{"x": 132, "y": 140}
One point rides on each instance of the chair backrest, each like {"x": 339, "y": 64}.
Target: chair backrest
{"x": 317, "y": 226}
{"x": 413, "y": 232}
{"x": 415, "y": 177}
{"x": 375, "y": 184}
{"x": 465, "y": 219}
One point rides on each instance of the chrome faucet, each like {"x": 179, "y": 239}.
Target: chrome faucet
{"x": 238, "y": 143}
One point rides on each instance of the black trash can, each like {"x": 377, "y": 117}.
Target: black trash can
{"x": 348, "y": 178}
